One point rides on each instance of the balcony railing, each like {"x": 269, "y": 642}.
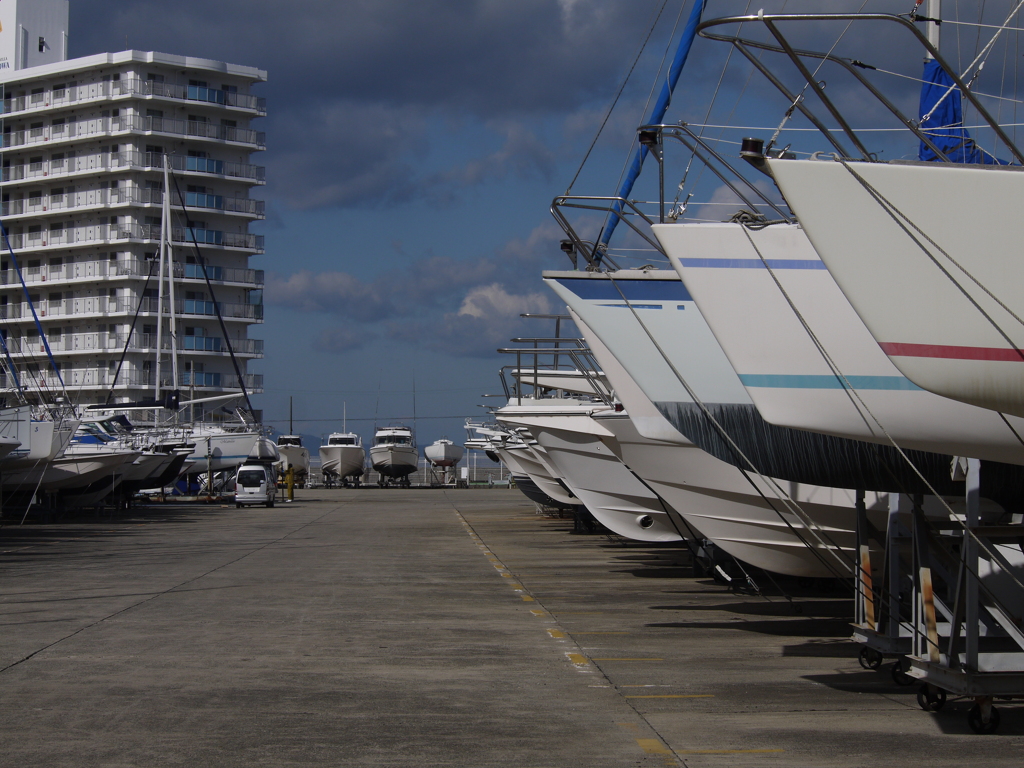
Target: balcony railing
{"x": 126, "y": 305}
{"x": 102, "y": 161}
{"x": 90, "y": 270}
{"x": 106, "y": 342}
{"x": 109, "y": 233}
{"x": 130, "y": 195}
{"x": 132, "y": 87}
{"x": 138, "y": 123}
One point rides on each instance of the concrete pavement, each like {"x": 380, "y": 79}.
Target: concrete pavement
{"x": 426, "y": 628}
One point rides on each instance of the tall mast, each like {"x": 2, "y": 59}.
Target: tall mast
{"x": 170, "y": 274}
{"x": 160, "y": 289}
{"x": 932, "y": 27}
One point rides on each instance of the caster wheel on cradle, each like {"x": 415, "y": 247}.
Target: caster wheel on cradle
{"x": 869, "y": 658}
{"x": 899, "y": 676}
{"x": 930, "y": 698}
{"x": 974, "y": 720}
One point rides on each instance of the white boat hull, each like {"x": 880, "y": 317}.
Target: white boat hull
{"x": 714, "y": 496}
{"x": 220, "y": 451}
{"x": 600, "y": 481}
{"x": 785, "y": 372}
{"x": 342, "y": 460}
{"x": 394, "y": 461}
{"x": 444, "y": 453}
{"x": 294, "y": 457}
{"x": 64, "y": 473}
{"x": 925, "y": 318}
{"x": 534, "y": 464}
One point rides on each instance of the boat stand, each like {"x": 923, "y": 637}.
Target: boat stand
{"x": 877, "y": 627}
{"x": 983, "y": 656}
{"x": 886, "y": 623}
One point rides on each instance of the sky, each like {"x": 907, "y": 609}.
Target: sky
{"x": 413, "y": 152}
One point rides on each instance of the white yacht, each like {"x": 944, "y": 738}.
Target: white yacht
{"x": 343, "y": 457}
{"x": 293, "y": 455}
{"x": 394, "y": 455}
{"x": 445, "y": 455}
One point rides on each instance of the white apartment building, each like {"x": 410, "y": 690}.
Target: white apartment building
{"x": 85, "y": 142}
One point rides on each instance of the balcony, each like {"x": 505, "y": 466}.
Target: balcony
{"x": 106, "y": 307}
{"x": 106, "y": 161}
{"x": 139, "y": 342}
{"x": 99, "y": 234}
{"x": 134, "y": 87}
{"x": 104, "y": 126}
{"x": 202, "y": 380}
{"x": 129, "y": 377}
{"x": 103, "y": 198}
{"x": 209, "y": 309}
{"x": 104, "y": 269}
{"x": 194, "y": 129}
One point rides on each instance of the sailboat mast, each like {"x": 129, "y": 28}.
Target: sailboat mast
{"x": 160, "y": 289}
{"x": 170, "y": 276}
{"x": 934, "y": 12}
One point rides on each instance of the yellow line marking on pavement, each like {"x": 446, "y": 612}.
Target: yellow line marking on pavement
{"x": 578, "y": 613}
{"x": 528, "y": 599}
{"x": 578, "y": 659}
{"x": 628, "y": 659}
{"x": 538, "y": 612}
{"x": 725, "y": 751}
{"x": 600, "y": 633}
{"x": 556, "y": 633}
{"x": 674, "y": 696}
{"x": 506, "y": 575}
{"x": 653, "y": 747}
{"x": 516, "y": 586}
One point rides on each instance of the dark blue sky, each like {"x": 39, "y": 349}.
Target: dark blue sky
{"x": 413, "y": 153}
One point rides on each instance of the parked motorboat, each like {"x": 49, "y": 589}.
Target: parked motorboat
{"x": 574, "y": 442}
{"x": 263, "y": 451}
{"x": 343, "y": 458}
{"x": 293, "y": 455}
{"x": 394, "y": 455}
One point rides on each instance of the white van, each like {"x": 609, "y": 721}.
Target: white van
{"x": 255, "y": 484}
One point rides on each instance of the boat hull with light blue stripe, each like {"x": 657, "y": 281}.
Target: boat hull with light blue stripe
{"x": 760, "y": 291}
{"x": 710, "y": 494}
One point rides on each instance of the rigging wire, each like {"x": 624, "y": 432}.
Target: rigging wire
{"x": 618, "y": 95}
{"x": 863, "y": 408}
{"x": 782, "y": 495}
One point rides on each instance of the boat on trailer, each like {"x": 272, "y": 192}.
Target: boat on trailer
{"x": 394, "y": 455}
{"x": 343, "y": 459}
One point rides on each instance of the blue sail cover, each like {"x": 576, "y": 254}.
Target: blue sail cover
{"x": 657, "y": 113}
{"x": 945, "y": 125}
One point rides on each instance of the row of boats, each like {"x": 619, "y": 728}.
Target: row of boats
{"x": 62, "y": 460}
{"x": 393, "y": 456}
{"x": 59, "y": 460}
{"x": 825, "y": 384}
